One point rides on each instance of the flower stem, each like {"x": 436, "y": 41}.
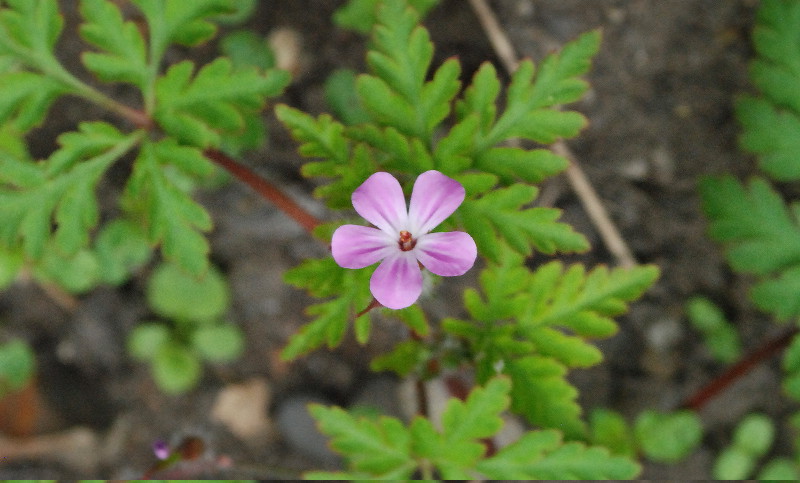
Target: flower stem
{"x": 706, "y": 393}
{"x": 266, "y": 189}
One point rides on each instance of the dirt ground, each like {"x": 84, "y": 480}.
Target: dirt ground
{"x": 660, "y": 112}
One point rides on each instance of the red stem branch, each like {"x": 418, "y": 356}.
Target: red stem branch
{"x": 721, "y": 382}
{"x": 266, "y": 189}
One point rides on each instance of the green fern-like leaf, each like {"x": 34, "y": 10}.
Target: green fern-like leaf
{"x": 771, "y": 121}
{"x": 359, "y": 15}
{"x": 761, "y": 235}
{"x": 173, "y": 219}
{"x": 534, "y": 326}
{"x": 378, "y": 448}
{"x": 123, "y": 53}
{"x": 324, "y": 138}
{"x": 760, "y": 232}
{"x": 185, "y": 23}
{"x": 25, "y": 98}
{"x": 323, "y": 278}
{"x": 528, "y": 111}
{"x": 198, "y": 110}
{"x": 30, "y": 28}
{"x": 542, "y": 394}
{"x": 499, "y": 216}
{"x": 385, "y": 448}
{"x": 397, "y": 94}
{"x": 62, "y": 192}
{"x": 542, "y": 455}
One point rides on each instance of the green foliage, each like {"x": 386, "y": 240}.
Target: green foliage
{"x": 751, "y": 441}
{"x": 761, "y": 236}
{"x": 536, "y": 325}
{"x": 771, "y": 121}
{"x": 29, "y": 31}
{"x": 246, "y": 48}
{"x": 123, "y": 56}
{"x": 791, "y": 368}
{"x": 215, "y": 106}
{"x": 782, "y": 469}
{"x": 175, "y": 369}
{"x": 17, "y": 366}
{"x": 360, "y": 15}
{"x": 185, "y": 23}
{"x": 498, "y": 215}
{"x": 609, "y": 429}
{"x": 121, "y": 248}
{"x": 341, "y": 96}
{"x": 218, "y": 100}
{"x": 58, "y": 191}
{"x": 403, "y": 101}
{"x": 323, "y": 278}
{"x": 171, "y": 216}
{"x": 175, "y": 294}
{"x": 555, "y": 460}
{"x": 718, "y": 334}
{"x": 667, "y": 437}
{"x": 195, "y": 306}
{"x": 10, "y": 263}
{"x": 385, "y": 448}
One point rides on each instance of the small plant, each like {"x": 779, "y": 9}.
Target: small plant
{"x": 751, "y": 441}
{"x": 758, "y": 229}
{"x": 468, "y": 153}
{"x": 196, "y": 332}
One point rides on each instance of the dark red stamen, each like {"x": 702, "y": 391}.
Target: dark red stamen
{"x": 406, "y": 241}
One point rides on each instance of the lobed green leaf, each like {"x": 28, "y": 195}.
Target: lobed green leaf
{"x": 30, "y": 27}
{"x": 66, "y": 196}
{"x": 323, "y": 278}
{"x": 529, "y": 100}
{"x": 397, "y": 93}
{"x": 381, "y": 448}
{"x": 668, "y": 437}
{"x": 176, "y": 294}
{"x": 542, "y": 455}
{"x": 499, "y": 216}
{"x": 776, "y": 71}
{"x": 26, "y": 97}
{"x": 759, "y": 232}
{"x": 541, "y": 393}
{"x": 185, "y": 23}
{"x": 199, "y": 110}
{"x": 359, "y": 15}
{"x": 171, "y": 216}
{"x": 17, "y": 366}
{"x": 123, "y": 56}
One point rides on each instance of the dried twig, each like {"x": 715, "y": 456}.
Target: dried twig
{"x": 575, "y": 175}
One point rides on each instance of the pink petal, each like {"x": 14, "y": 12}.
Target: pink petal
{"x": 447, "y": 254}
{"x": 434, "y": 198}
{"x": 356, "y": 246}
{"x": 397, "y": 282}
{"x": 380, "y": 201}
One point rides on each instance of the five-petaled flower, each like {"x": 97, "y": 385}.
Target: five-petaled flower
{"x": 402, "y": 240}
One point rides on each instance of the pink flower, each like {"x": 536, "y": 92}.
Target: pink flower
{"x": 402, "y": 240}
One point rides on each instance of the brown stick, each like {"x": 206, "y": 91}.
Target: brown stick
{"x": 266, "y": 189}
{"x": 577, "y": 179}
{"x": 721, "y": 382}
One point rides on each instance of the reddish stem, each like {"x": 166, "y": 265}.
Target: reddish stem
{"x": 721, "y": 382}
{"x": 266, "y": 189}
{"x": 374, "y": 304}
